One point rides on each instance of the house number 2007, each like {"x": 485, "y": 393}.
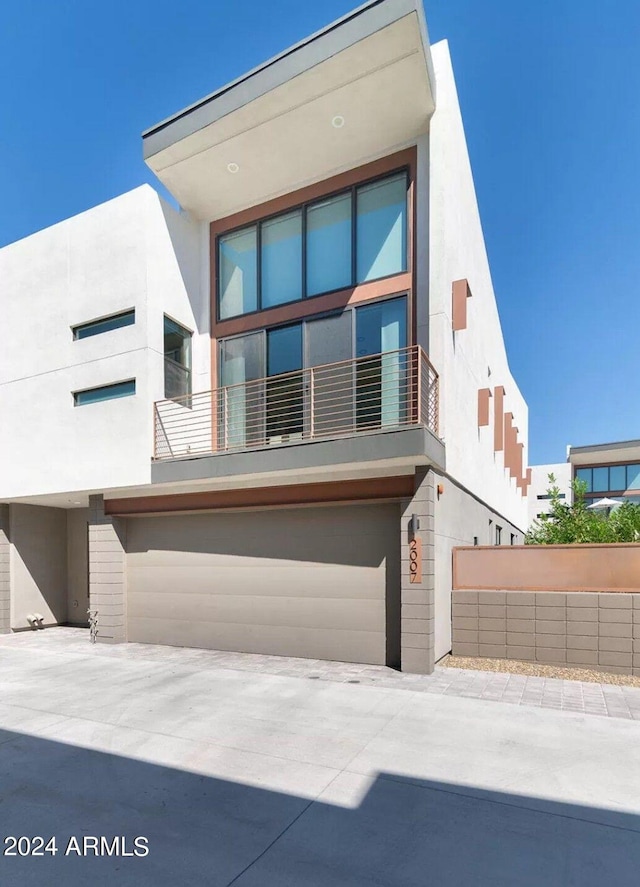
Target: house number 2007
{"x": 415, "y": 560}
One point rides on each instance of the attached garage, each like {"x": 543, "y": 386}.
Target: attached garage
{"x": 319, "y": 582}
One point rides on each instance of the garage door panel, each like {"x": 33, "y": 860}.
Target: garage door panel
{"x": 300, "y": 582}
{"x": 306, "y": 643}
{"x": 363, "y": 615}
{"x": 279, "y": 579}
{"x": 278, "y": 546}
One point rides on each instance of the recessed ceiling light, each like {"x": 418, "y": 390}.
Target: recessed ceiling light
{"x": 338, "y": 121}
{"x": 233, "y": 167}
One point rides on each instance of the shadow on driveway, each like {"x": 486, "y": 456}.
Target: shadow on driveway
{"x": 389, "y": 831}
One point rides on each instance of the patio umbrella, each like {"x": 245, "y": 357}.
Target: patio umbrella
{"x": 604, "y": 504}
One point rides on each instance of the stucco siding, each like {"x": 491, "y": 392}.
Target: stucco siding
{"x": 38, "y": 564}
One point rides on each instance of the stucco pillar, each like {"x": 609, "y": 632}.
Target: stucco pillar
{"x": 417, "y": 598}
{"x": 5, "y": 576}
{"x": 107, "y": 578}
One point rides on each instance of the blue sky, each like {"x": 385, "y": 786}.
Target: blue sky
{"x": 549, "y": 93}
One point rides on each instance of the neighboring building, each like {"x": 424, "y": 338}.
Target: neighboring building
{"x": 609, "y": 469}
{"x": 538, "y": 499}
{"x": 317, "y": 328}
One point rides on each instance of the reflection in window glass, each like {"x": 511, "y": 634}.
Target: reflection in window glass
{"x": 382, "y": 228}
{"x": 585, "y": 475}
{"x": 600, "y": 480}
{"x": 177, "y": 359}
{"x": 617, "y": 477}
{"x": 238, "y": 273}
{"x": 633, "y": 477}
{"x": 282, "y": 259}
{"x": 329, "y": 245}
{"x": 284, "y": 350}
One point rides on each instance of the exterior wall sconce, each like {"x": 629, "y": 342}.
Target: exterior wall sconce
{"x": 440, "y": 489}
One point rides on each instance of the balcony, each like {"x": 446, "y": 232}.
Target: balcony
{"x": 381, "y": 392}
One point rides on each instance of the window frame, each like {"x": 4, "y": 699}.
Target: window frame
{"x": 351, "y": 308}
{"x": 102, "y": 388}
{"x": 189, "y": 369}
{"x": 88, "y": 324}
{"x": 303, "y": 206}
{"x": 591, "y": 493}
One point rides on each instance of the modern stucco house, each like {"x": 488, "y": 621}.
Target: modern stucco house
{"x": 610, "y": 470}
{"x": 260, "y": 423}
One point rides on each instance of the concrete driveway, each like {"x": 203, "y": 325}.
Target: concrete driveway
{"x": 249, "y": 777}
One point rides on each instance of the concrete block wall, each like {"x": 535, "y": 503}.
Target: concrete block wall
{"x": 5, "y": 584}
{"x": 107, "y": 576}
{"x": 417, "y": 606}
{"x": 595, "y": 630}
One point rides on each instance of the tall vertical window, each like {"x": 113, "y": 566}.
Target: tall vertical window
{"x": 329, "y": 245}
{"x": 177, "y": 360}
{"x": 281, "y": 260}
{"x": 326, "y": 245}
{"x": 237, "y": 259}
{"x": 381, "y": 241}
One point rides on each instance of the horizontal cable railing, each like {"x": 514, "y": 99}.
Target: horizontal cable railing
{"x": 378, "y": 392}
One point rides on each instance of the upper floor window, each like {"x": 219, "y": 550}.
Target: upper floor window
{"x": 104, "y": 324}
{"x": 330, "y": 244}
{"x": 104, "y": 392}
{"x": 177, "y": 359}
{"x": 610, "y": 478}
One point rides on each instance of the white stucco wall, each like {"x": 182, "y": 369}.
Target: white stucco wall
{"x": 133, "y": 252}
{"x": 540, "y": 484}
{"x": 473, "y": 358}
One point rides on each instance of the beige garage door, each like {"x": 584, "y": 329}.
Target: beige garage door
{"x": 319, "y": 582}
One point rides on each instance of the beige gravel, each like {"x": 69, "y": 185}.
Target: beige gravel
{"x": 535, "y": 669}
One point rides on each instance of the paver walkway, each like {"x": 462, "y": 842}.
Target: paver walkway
{"x": 583, "y": 697}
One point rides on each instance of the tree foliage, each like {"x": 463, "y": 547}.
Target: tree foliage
{"x": 567, "y": 524}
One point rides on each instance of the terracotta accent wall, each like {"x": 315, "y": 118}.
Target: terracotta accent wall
{"x": 612, "y": 568}
{"x": 484, "y": 399}
{"x": 396, "y": 285}
{"x": 460, "y": 292}
{"x": 498, "y": 418}
{"x": 284, "y": 494}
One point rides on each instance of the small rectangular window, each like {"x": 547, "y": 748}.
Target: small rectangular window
{"x": 633, "y": 477}
{"x": 617, "y": 477}
{"x": 104, "y": 392}
{"x": 498, "y": 535}
{"x": 547, "y": 496}
{"x": 585, "y": 474}
{"x": 513, "y": 538}
{"x": 600, "y": 480}
{"x": 177, "y": 360}
{"x": 104, "y": 325}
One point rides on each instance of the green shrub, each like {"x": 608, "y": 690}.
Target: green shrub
{"x": 570, "y": 524}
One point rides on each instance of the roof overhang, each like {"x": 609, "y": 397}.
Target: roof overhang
{"x": 276, "y": 125}
{"x": 604, "y": 454}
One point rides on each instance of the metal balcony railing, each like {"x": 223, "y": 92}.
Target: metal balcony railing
{"x": 381, "y": 392}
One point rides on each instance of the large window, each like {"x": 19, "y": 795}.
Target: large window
{"x": 177, "y": 360}
{"x": 610, "y": 478}
{"x": 331, "y": 244}
{"x": 268, "y": 392}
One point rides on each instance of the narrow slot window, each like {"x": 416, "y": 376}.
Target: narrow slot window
{"x": 104, "y": 325}
{"x": 104, "y": 392}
